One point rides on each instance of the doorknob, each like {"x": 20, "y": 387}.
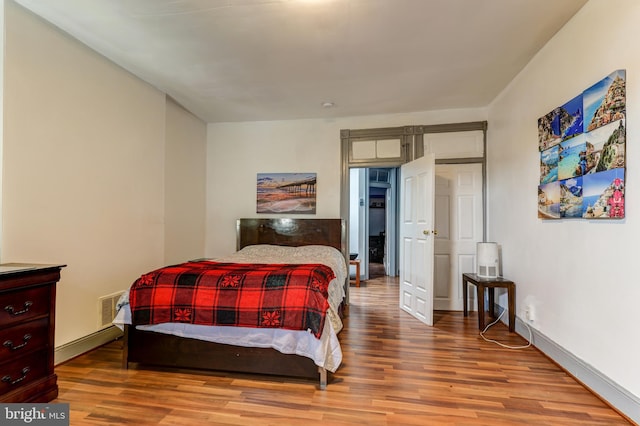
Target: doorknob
{"x": 427, "y": 232}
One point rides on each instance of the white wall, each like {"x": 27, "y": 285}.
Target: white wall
{"x": 579, "y": 276}
{"x": 236, "y": 152}
{"x": 84, "y": 168}
{"x": 185, "y": 181}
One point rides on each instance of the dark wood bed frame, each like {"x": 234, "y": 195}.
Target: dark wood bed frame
{"x": 166, "y": 350}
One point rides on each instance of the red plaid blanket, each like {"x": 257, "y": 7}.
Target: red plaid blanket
{"x": 293, "y": 297}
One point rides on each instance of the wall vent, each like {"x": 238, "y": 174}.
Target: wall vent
{"x": 107, "y": 309}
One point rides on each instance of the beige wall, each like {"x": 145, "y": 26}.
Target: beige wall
{"x": 580, "y": 276}
{"x": 84, "y": 168}
{"x": 185, "y": 180}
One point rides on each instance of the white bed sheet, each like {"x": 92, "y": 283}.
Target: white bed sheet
{"x": 325, "y": 352}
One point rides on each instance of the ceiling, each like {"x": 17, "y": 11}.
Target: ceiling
{"x": 254, "y": 60}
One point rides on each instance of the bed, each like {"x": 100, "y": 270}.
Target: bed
{"x": 265, "y": 350}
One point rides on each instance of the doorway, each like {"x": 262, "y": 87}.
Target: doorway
{"x": 458, "y": 221}
{"x": 452, "y": 144}
{"x": 373, "y": 198}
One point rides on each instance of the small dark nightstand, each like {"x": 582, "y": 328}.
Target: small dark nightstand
{"x": 489, "y": 283}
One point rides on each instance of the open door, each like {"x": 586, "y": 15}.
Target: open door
{"x": 417, "y": 237}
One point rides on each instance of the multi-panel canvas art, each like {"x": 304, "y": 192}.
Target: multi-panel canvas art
{"x": 582, "y": 148}
{"x": 292, "y": 193}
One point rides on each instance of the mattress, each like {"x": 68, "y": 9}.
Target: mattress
{"x": 325, "y": 352}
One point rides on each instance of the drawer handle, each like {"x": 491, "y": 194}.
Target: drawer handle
{"x": 7, "y": 379}
{"x": 12, "y": 311}
{"x": 9, "y": 343}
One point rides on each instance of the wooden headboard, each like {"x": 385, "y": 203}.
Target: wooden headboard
{"x": 291, "y": 232}
{"x": 295, "y": 232}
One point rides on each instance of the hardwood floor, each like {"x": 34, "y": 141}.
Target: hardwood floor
{"x": 395, "y": 371}
{"x": 376, "y": 270}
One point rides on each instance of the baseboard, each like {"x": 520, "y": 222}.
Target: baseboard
{"x": 615, "y": 395}
{"x": 85, "y": 344}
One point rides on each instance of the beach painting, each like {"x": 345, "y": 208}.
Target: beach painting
{"x": 292, "y": 193}
{"x": 549, "y": 200}
{"x": 603, "y": 195}
{"x": 571, "y": 197}
{"x": 572, "y": 158}
{"x": 549, "y": 165}
{"x": 605, "y": 101}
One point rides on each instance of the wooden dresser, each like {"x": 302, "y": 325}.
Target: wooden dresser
{"x": 27, "y": 325}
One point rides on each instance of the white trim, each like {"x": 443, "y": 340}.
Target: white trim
{"x": 85, "y": 344}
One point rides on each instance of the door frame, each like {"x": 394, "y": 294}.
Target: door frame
{"x": 412, "y": 146}
{"x": 390, "y": 218}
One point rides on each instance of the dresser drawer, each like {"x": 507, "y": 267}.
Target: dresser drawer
{"x": 22, "y": 371}
{"x": 22, "y": 338}
{"x": 20, "y": 306}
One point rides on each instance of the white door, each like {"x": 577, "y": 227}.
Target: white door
{"x": 458, "y": 220}
{"x": 416, "y": 238}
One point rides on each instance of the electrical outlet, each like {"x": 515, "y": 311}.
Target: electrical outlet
{"x": 528, "y": 313}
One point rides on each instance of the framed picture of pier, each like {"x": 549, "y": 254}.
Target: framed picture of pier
{"x": 291, "y": 193}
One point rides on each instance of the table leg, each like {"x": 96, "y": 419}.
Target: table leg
{"x": 480, "y": 294}
{"x": 511, "y": 290}
{"x": 465, "y": 285}
{"x": 356, "y": 263}
{"x": 358, "y": 274}
{"x": 492, "y": 302}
